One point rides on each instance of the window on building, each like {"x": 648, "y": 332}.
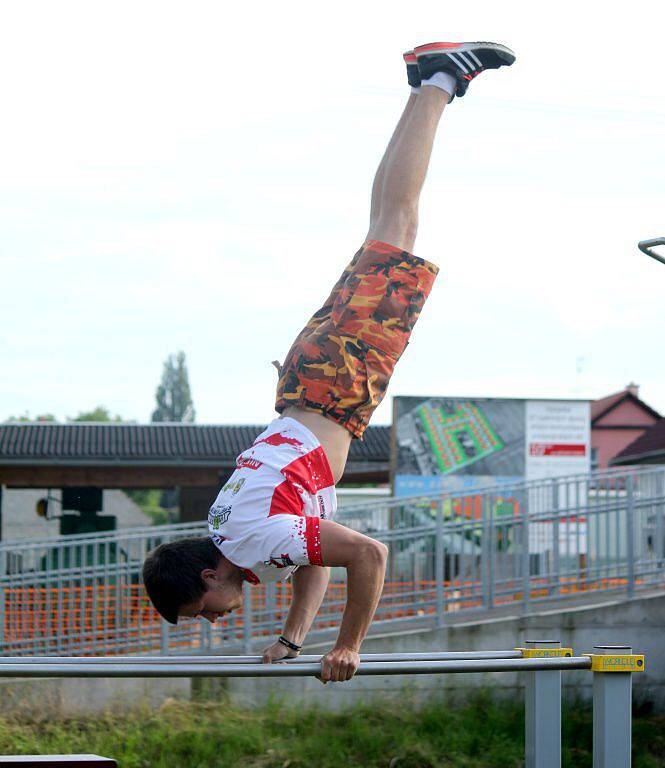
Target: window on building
{"x": 594, "y": 459}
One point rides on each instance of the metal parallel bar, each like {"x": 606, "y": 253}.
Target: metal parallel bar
{"x": 289, "y": 670}
{"x": 304, "y": 658}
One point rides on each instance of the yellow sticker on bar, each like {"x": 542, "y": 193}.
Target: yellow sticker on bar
{"x": 619, "y": 662}
{"x": 544, "y": 653}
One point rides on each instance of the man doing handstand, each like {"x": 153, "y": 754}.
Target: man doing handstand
{"x": 273, "y": 518}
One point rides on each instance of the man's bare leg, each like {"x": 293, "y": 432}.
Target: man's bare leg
{"x": 377, "y": 186}
{"x": 405, "y": 171}
{"x": 394, "y": 220}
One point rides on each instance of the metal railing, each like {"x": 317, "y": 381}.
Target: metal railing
{"x": 541, "y": 663}
{"x": 451, "y": 554}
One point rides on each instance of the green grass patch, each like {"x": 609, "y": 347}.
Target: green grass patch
{"x": 483, "y": 733}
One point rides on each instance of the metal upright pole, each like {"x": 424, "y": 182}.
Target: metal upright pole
{"x": 526, "y": 560}
{"x": 630, "y": 533}
{"x": 485, "y": 557}
{"x": 542, "y": 733}
{"x": 490, "y": 549}
{"x": 3, "y": 598}
{"x": 612, "y": 667}
{"x": 554, "y": 582}
{"x": 439, "y": 568}
{"x": 659, "y": 495}
{"x": 247, "y": 620}
{"x": 164, "y": 638}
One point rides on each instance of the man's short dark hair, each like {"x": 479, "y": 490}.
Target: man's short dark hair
{"x": 172, "y": 573}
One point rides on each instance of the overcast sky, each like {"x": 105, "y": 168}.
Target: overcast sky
{"x": 195, "y": 176}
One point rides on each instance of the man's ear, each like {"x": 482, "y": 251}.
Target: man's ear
{"x": 208, "y": 576}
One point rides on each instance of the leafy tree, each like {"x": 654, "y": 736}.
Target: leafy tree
{"x": 149, "y": 499}
{"x": 174, "y": 398}
{"x": 27, "y": 417}
{"x": 100, "y": 413}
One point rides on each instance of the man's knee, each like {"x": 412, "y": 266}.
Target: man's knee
{"x": 397, "y": 226}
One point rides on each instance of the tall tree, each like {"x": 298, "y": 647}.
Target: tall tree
{"x": 174, "y": 398}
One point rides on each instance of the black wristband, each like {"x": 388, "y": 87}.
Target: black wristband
{"x": 291, "y": 646}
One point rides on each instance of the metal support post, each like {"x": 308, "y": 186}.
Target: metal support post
{"x": 526, "y": 560}
{"x": 630, "y": 533}
{"x": 247, "y": 620}
{"x": 612, "y": 668}
{"x": 542, "y": 733}
{"x": 486, "y": 557}
{"x": 554, "y": 580}
{"x": 659, "y": 506}
{"x": 438, "y": 567}
{"x": 3, "y": 598}
{"x": 164, "y": 638}
{"x": 489, "y": 505}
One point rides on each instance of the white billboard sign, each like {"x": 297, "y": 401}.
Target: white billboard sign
{"x": 558, "y": 438}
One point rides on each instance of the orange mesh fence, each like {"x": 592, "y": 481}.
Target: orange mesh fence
{"x": 115, "y": 617}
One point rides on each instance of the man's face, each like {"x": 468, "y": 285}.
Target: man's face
{"x": 221, "y": 597}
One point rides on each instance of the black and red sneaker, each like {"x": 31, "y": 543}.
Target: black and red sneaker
{"x": 463, "y": 61}
{"x": 412, "y": 71}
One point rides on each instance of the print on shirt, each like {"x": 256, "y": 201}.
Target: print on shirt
{"x": 249, "y": 462}
{"x": 233, "y": 486}
{"x": 282, "y": 487}
{"x": 283, "y": 561}
{"x": 218, "y": 515}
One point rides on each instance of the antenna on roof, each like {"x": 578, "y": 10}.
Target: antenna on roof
{"x": 646, "y": 247}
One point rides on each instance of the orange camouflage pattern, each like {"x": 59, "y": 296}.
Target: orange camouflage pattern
{"x": 341, "y": 362}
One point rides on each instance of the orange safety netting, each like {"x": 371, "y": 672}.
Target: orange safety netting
{"x": 111, "y": 616}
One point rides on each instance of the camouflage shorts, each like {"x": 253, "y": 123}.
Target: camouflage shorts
{"x": 342, "y": 361}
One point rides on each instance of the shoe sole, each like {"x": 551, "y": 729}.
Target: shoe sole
{"x": 431, "y": 49}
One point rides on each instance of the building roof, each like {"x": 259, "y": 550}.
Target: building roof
{"x": 649, "y": 448}
{"x": 84, "y": 443}
{"x": 602, "y": 406}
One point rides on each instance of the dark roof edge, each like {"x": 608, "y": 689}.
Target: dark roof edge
{"x": 636, "y": 457}
{"x": 617, "y": 403}
{"x": 116, "y": 424}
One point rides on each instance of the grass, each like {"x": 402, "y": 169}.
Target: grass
{"x": 481, "y": 733}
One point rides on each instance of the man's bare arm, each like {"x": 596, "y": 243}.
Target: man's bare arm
{"x": 309, "y": 587}
{"x": 365, "y": 563}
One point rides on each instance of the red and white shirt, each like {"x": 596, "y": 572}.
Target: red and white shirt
{"x": 266, "y": 518}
